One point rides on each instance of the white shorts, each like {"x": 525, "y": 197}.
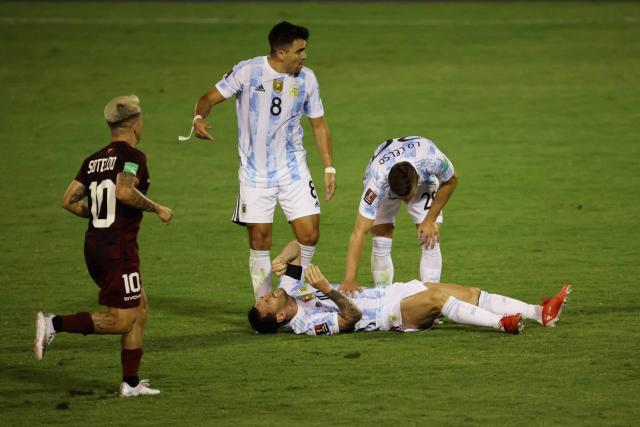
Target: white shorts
{"x": 390, "y": 313}
{"x": 257, "y": 205}
{"x": 418, "y": 208}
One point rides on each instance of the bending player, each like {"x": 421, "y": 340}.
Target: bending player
{"x": 410, "y": 169}
{"x": 115, "y": 179}
{"x": 407, "y": 307}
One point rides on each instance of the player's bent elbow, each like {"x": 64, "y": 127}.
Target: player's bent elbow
{"x": 123, "y": 192}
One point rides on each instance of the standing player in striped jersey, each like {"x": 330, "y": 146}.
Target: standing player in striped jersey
{"x": 115, "y": 180}
{"x": 272, "y": 94}
{"x": 405, "y": 307}
{"x": 410, "y": 169}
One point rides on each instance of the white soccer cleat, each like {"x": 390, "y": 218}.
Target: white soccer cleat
{"x": 44, "y": 334}
{"x": 142, "y": 389}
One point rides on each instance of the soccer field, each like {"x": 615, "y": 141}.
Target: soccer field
{"x": 536, "y": 105}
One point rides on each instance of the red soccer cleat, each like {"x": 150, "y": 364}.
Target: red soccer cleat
{"x": 511, "y": 324}
{"x": 552, "y": 307}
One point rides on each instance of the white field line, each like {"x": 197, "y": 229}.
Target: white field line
{"x": 31, "y": 20}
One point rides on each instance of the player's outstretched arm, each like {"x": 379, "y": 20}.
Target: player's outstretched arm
{"x": 127, "y": 193}
{"x": 361, "y": 227}
{"x": 349, "y": 312}
{"x": 322, "y": 137}
{"x": 73, "y": 199}
{"x": 203, "y": 108}
{"x": 428, "y": 231}
{"x": 290, "y": 254}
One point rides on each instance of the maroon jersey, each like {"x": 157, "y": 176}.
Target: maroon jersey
{"x": 110, "y": 246}
{"x": 110, "y": 219}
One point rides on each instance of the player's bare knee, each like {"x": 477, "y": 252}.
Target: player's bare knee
{"x": 474, "y": 295}
{"x": 309, "y": 238}
{"x": 437, "y": 298}
{"x": 259, "y": 240}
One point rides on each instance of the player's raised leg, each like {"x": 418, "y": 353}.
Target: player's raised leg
{"x": 381, "y": 262}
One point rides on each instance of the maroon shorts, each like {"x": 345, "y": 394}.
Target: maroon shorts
{"x": 115, "y": 267}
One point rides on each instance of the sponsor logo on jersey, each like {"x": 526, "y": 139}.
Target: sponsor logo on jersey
{"x": 294, "y": 91}
{"x": 321, "y": 329}
{"x": 260, "y": 89}
{"x": 277, "y": 86}
{"x": 370, "y": 196}
{"x": 132, "y": 297}
{"x": 317, "y": 205}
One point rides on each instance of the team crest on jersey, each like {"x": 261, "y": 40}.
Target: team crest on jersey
{"x": 370, "y": 196}
{"x": 277, "y": 86}
{"x": 294, "y": 91}
{"x": 321, "y": 329}
{"x": 244, "y": 208}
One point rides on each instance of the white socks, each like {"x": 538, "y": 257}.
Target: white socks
{"x": 381, "y": 263}
{"x": 431, "y": 264}
{"x": 469, "y": 314}
{"x": 306, "y": 253}
{"x": 260, "y": 270}
{"x": 506, "y": 306}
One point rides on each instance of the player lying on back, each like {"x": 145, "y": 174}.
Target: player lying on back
{"x": 406, "y": 307}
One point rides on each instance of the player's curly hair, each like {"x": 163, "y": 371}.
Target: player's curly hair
{"x": 402, "y": 178}
{"x": 263, "y": 324}
{"x": 284, "y": 33}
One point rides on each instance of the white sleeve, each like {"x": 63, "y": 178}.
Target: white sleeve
{"x": 443, "y": 168}
{"x": 313, "y": 104}
{"x": 324, "y": 323}
{"x": 232, "y": 83}
{"x": 370, "y": 199}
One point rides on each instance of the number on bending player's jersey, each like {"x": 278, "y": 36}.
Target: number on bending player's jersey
{"x": 131, "y": 282}
{"x": 98, "y": 198}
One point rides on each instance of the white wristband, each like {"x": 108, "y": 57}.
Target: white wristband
{"x": 196, "y": 118}
{"x": 330, "y": 169}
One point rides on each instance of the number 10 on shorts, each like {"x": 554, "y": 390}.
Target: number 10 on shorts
{"x": 131, "y": 282}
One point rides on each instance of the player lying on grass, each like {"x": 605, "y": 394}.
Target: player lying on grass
{"x": 406, "y": 307}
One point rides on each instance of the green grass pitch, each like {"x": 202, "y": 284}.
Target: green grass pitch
{"x": 537, "y": 106}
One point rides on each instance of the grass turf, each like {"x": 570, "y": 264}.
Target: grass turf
{"x": 535, "y": 104}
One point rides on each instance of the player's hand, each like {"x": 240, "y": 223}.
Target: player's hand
{"x": 428, "y": 234}
{"x": 329, "y": 186}
{"x": 278, "y": 266}
{"x": 316, "y": 279}
{"x": 201, "y": 127}
{"x": 164, "y": 213}
{"x": 349, "y": 287}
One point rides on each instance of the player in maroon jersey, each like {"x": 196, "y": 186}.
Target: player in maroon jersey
{"x": 115, "y": 180}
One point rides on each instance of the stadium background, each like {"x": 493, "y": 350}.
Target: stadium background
{"x": 535, "y": 103}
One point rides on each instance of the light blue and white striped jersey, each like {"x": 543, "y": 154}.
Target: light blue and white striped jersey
{"x": 420, "y": 152}
{"x": 319, "y": 315}
{"x": 269, "y": 106}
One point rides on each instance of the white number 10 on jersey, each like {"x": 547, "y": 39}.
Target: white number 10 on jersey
{"x": 97, "y": 198}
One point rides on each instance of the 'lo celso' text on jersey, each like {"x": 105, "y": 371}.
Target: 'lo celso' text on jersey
{"x": 423, "y": 154}
{"x": 269, "y": 107}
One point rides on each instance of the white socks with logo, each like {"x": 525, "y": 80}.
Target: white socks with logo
{"x": 431, "y": 264}
{"x": 260, "y": 270}
{"x": 469, "y": 314}
{"x": 381, "y": 263}
{"x": 508, "y": 306}
{"x": 306, "y": 253}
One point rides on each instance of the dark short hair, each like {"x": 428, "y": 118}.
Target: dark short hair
{"x": 284, "y": 33}
{"x": 402, "y": 178}
{"x": 263, "y": 324}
